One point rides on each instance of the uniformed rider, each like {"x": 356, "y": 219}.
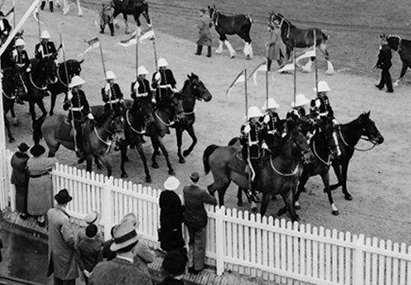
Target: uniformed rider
{"x": 321, "y": 109}
{"x": 45, "y": 48}
{"x": 20, "y": 57}
{"x": 163, "y": 82}
{"x": 79, "y": 108}
{"x": 271, "y": 126}
{"x": 5, "y": 28}
{"x": 142, "y": 96}
{"x": 111, "y": 94}
{"x": 298, "y": 108}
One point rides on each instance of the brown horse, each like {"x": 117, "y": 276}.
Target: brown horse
{"x": 99, "y": 137}
{"x": 295, "y": 37}
{"x": 277, "y": 175}
{"x": 131, "y": 7}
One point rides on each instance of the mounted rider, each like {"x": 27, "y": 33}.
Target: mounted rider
{"x": 45, "y": 48}
{"x": 20, "y": 57}
{"x": 321, "y": 109}
{"x": 111, "y": 94}
{"x": 79, "y": 108}
{"x": 163, "y": 82}
{"x": 272, "y": 127}
{"x": 5, "y": 28}
{"x": 142, "y": 96}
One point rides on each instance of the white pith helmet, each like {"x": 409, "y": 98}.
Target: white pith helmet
{"x": 162, "y": 62}
{"x": 45, "y": 35}
{"x": 254, "y": 112}
{"x": 142, "y": 70}
{"x": 300, "y": 100}
{"x": 270, "y": 104}
{"x": 76, "y": 81}
{"x": 20, "y": 42}
{"x": 322, "y": 87}
{"x": 110, "y": 75}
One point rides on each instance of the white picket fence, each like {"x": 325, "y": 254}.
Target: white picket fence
{"x": 239, "y": 241}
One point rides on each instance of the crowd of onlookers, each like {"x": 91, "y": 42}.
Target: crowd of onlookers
{"x": 81, "y": 251}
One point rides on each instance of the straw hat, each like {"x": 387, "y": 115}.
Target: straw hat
{"x": 124, "y": 235}
{"x": 63, "y": 197}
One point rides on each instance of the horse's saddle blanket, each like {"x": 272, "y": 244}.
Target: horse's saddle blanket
{"x": 65, "y": 131}
{"x": 238, "y": 164}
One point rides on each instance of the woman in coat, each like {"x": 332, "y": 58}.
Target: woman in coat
{"x": 40, "y": 192}
{"x": 204, "y": 24}
{"x": 20, "y": 179}
{"x": 276, "y": 49}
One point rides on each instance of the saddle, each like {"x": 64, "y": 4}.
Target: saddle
{"x": 238, "y": 164}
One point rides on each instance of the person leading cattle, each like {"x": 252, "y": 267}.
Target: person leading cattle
{"x": 164, "y": 82}
{"x": 5, "y": 28}
{"x": 79, "y": 108}
{"x": 321, "y": 109}
{"x": 111, "y": 94}
{"x": 204, "y": 24}
{"x": 45, "y": 48}
{"x": 384, "y": 63}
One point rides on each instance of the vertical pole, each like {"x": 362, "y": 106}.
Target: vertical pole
{"x": 14, "y": 14}
{"x": 295, "y": 71}
{"x": 136, "y": 53}
{"x": 315, "y": 65}
{"x": 155, "y": 54}
{"x": 2, "y": 129}
{"x": 38, "y": 21}
{"x": 104, "y": 70}
{"x": 245, "y": 92}
{"x": 266, "y": 86}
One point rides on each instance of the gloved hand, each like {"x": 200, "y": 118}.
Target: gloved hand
{"x": 136, "y": 85}
{"x": 175, "y": 90}
{"x": 264, "y": 146}
{"x": 69, "y": 95}
{"x": 107, "y": 88}
{"x": 28, "y": 69}
{"x": 335, "y": 122}
{"x": 90, "y": 116}
{"x": 157, "y": 77}
{"x": 153, "y": 101}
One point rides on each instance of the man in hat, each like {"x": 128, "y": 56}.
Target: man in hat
{"x": 171, "y": 216}
{"x": 5, "y": 28}
{"x": 45, "y": 48}
{"x": 195, "y": 218}
{"x": 164, "y": 83}
{"x": 20, "y": 178}
{"x": 89, "y": 219}
{"x": 174, "y": 264}
{"x": 79, "y": 108}
{"x": 276, "y": 49}
{"x": 121, "y": 270}
{"x": 204, "y": 24}
{"x": 384, "y": 63}
{"x": 62, "y": 257}
{"x": 111, "y": 94}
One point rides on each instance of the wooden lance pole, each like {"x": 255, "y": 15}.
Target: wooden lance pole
{"x": 315, "y": 65}
{"x": 104, "y": 70}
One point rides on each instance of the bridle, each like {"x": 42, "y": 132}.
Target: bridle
{"x": 59, "y": 77}
{"x": 194, "y": 89}
{"x": 363, "y": 137}
{"x": 280, "y": 25}
{"x": 399, "y": 42}
{"x": 217, "y": 16}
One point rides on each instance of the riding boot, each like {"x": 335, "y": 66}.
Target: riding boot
{"x": 43, "y": 3}
{"x": 101, "y": 29}
{"x": 269, "y": 61}
{"x": 111, "y": 26}
{"x": 51, "y": 6}
{"x": 209, "y": 51}
{"x": 199, "y": 50}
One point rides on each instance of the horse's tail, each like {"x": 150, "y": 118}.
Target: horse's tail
{"x": 207, "y": 152}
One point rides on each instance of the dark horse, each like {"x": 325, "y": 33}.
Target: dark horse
{"x": 232, "y": 25}
{"x": 100, "y": 137}
{"x": 73, "y": 68}
{"x": 12, "y": 86}
{"x": 295, "y": 37}
{"x": 277, "y": 175}
{"x": 155, "y": 124}
{"x": 348, "y": 136}
{"x": 403, "y": 47}
{"x": 193, "y": 90}
{"x": 132, "y": 7}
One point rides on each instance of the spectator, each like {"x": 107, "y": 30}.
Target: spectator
{"x": 195, "y": 218}
{"x": 89, "y": 251}
{"x": 89, "y": 219}
{"x": 144, "y": 255}
{"x": 171, "y": 216}
{"x": 106, "y": 252}
{"x": 20, "y": 179}
{"x": 174, "y": 265}
{"x": 384, "y": 63}
{"x": 204, "y": 24}
{"x": 62, "y": 261}
{"x": 40, "y": 185}
{"x": 121, "y": 270}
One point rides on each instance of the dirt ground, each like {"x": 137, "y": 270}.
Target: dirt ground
{"x": 379, "y": 180}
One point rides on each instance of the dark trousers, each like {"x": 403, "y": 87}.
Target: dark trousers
{"x": 200, "y": 49}
{"x": 58, "y": 281}
{"x": 385, "y": 80}
{"x": 197, "y": 247}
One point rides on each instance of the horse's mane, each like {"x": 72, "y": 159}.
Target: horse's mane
{"x": 103, "y": 117}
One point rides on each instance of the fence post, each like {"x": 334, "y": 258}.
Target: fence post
{"x": 220, "y": 238}
{"x": 107, "y": 218}
{"x": 358, "y": 261}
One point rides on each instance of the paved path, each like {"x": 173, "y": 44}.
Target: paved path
{"x": 206, "y": 277}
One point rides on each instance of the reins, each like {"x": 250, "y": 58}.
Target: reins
{"x": 328, "y": 163}
{"x": 131, "y": 126}
{"x": 353, "y": 147}
{"x": 295, "y": 171}
{"x": 58, "y": 76}
{"x": 164, "y": 123}
{"x": 35, "y": 86}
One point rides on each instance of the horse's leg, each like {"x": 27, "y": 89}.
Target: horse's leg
{"x": 139, "y": 149}
{"x": 13, "y": 115}
{"x": 301, "y": 185}
{"x": 103, "y": 159}
{"x": 344, "y": 169}
{"x": 221, "y": 193}
{"x": 179, "y": 135}
{"x": 89, "y": 163}
{"x": 80, "y": 11}
{"x": 230, "y": 47}
{"x": 32, "y": 111}
{"x": 330, "y": 67}
{"x": 326, "y": 180}
{"x": 40, "y": 103}
{"x": 248, "y": 49}
{"x": 7, "y": 124}
{"x": 147, "y": 15}
{"x": 403, "y": 71}
{"x": 123, "y": 150}
{"x": 337, "y": 170}
{"x": 154, "y": 142}
{"x": 52, "y": 103}
{"x": 126, "y": 23}
{"x": 193, "y": 136}
{"x": 288, "y": 198}
{"x": 165, "y": 153}
{"x": 221, "y": 40}
{"x": 264, "y": 203}
{"x": 97, "y": 162}
{"x": 240, "y": 196}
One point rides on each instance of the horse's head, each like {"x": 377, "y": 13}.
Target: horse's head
{"x": 48, "y": 68}
{"x": 296, "y": 145}
{"x": 213, "y": 12}
{"x": 198, "y": 90}
{"x": 369, "y": 129}
{"x": 74, "y": 67}
{"x": 394, "y": 41}
{"x": 117, "y": 124}
{"x": 275, "y": 20}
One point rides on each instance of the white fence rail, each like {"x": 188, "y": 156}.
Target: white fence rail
{"x": 239, "y": 241}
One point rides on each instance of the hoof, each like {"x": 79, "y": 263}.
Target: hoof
{"x": 186, "y": 153}
{"x": 232, "y": 56}
{"x": 254, "y": 209}
{"x": 335, "y": 213}
{"x": 155, "y": 165}
{"x": 282, "y": 211}
{"x": 296, "y": 218}
{"x": 124, "y": 175}
{"x": 171, "y": 171}
{"x": 182, "y": 160}
{"x": 148, "y": 179}
{"x": 348, "y": 197}
{"x": 11, "y": 140}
